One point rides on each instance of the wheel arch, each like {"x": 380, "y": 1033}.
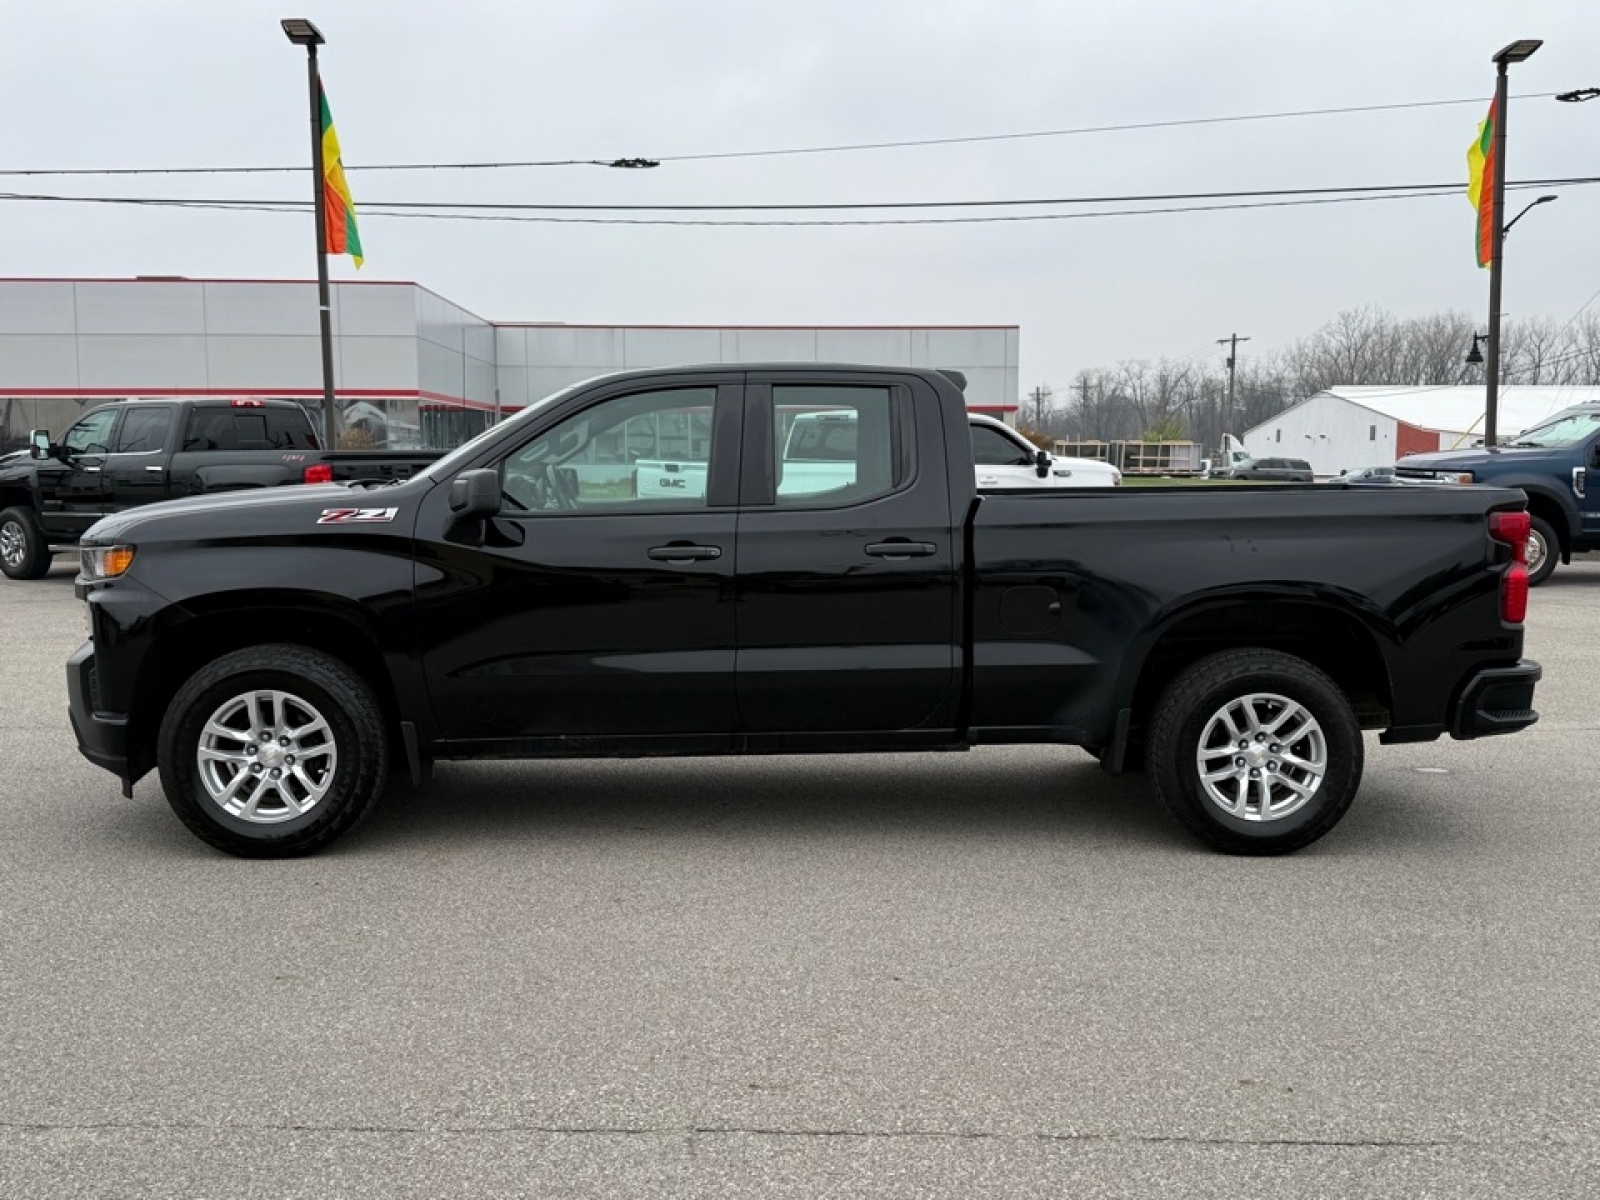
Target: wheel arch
{"x": 182, "y": 648}
{"x": 1333, "y": 637}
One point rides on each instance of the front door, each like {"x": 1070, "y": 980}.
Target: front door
{"x": 1000, "y": 462}
{"x": 847, "y": 592}
{"x": 591, "y": 607}
{"x": 1587, "y": 483}
{"x": 72, "y": 489}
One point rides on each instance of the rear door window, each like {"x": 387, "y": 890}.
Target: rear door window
{"x": 145, "y": 429}
{"x": 834, "y": 445}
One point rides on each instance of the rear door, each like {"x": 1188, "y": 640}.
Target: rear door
{"x": 136, "y": 469}
{"x": 846, "y": 591}
{"x": 586, "y": 608}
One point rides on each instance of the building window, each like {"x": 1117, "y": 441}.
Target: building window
{"x": 1279, "y": 436}
{"x": 1372, "y": 433}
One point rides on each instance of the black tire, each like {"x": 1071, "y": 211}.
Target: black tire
{"x": 315, "y": 684}
{"x": 1544, "y": 534}
{"x": 1187, "y": 712}
{"x": 24, "y": 553}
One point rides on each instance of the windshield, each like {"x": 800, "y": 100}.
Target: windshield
{"x": 1565, "y": 430}
{"x": 464, "y": 452}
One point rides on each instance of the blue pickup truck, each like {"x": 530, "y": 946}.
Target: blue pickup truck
{"x": 1557, "y": 464}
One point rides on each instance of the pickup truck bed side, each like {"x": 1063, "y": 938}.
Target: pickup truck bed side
{"x": 503, "y": 604}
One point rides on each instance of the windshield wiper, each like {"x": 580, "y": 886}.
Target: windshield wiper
{"x": 1529, "y": 445}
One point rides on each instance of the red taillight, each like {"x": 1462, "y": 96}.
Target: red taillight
{"x": 1513, "y": 529}
{"x": 248, "y": 403}
{"x": 319, "y": 473}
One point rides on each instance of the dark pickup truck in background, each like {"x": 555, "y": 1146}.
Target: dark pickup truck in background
{"x": 275, "y": 656}
{"x": 137, "y": 452}
{"x": 1556, "y": 463}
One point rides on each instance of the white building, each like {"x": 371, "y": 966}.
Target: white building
{"x": 1345, "y": 428}
{"x": 409, "y": 366}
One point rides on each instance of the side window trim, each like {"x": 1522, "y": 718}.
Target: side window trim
{"x": 722, "y": 452}
{"x": 758, "y": 466}
{"x": 114, "y": 412}
{"x": 129, "y": 415}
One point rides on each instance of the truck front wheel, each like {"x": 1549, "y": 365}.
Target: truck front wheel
{"x": 273, "y": 751}
{"x": 24, "y": 553}
{"x": 1255, "y": 751}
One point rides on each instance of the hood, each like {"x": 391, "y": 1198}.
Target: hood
{"x": 1467, "y": 460}
{"x": 249, "y": 511}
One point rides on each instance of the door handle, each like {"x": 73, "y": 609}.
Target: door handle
{"x": 898, "y": 551}
{"x": 88, "y": 468}
{"x": 684, "y": 553}
{"x": 157, "y": 470}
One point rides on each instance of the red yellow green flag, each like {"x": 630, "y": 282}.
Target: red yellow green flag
{"x": 1482, "y": 163}
{"x": 338, "y": 209}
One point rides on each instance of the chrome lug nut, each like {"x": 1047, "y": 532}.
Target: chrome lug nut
{"x": 1254, "y": 774}
{"x": 276, "y": 772}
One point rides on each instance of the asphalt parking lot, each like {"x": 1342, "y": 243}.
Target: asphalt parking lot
{"x": 999, "y": 973}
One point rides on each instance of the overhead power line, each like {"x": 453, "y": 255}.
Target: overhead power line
{"x": 416, "y": 212}
{"x": 843, "y": 148}
{"x": 842, "y": 206}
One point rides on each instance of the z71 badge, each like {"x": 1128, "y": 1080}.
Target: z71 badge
{"x": 355, "y": 516}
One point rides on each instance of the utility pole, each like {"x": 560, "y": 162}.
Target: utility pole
{"x": 1039, "y": 395}
{"x": 1514, "y": 53}
{"x": 1232, "y": 343}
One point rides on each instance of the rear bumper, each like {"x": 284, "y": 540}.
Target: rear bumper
{"x": 1496, "y": 700}
{"x": 102, "y": 737}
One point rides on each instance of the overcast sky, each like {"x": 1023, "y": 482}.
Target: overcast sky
{"x": 103, "y": 84}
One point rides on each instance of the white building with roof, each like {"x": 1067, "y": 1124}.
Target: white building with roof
{"x": 1345, "y": 428}
{"x": 410, "y": 367}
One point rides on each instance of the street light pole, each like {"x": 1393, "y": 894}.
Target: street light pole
{"x": 1516, "y": 52}
{"x": 303, "y": 33}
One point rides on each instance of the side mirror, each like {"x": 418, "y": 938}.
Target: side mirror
{"x": 1041, "y": 463}
{"x": 475, "y": 493}
{"x": 39, "y": 443}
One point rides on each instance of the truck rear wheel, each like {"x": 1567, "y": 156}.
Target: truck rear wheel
{"x": 273, "y": 751}
{"x": 1544, "y": 551}
{"x": 1255, "y": 751}
{"x": 24, "y": 553}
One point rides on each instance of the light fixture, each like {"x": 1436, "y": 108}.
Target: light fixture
{"x": 1475, "y": 356}
{"x": 1519, "y": 51}
{"x": 301, "y": 31}
{"x": 1524, "y": 212}
{"x": 1578, "y": 95}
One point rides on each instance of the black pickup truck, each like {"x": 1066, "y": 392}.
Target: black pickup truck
{"x": 523, "y": 597}
{"x": 137, "y": 452}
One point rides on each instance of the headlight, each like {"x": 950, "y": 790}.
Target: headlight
{"x": 104, "y": 562}
{"x": 1455, "y": 477}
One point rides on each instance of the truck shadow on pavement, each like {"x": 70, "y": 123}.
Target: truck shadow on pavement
{"x": 1055, "y": 794}
{"x": 821, "y": 797}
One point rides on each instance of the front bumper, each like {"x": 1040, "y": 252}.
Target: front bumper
{"x": 102, "y": 737}
{"x": 1496, "y": 700}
